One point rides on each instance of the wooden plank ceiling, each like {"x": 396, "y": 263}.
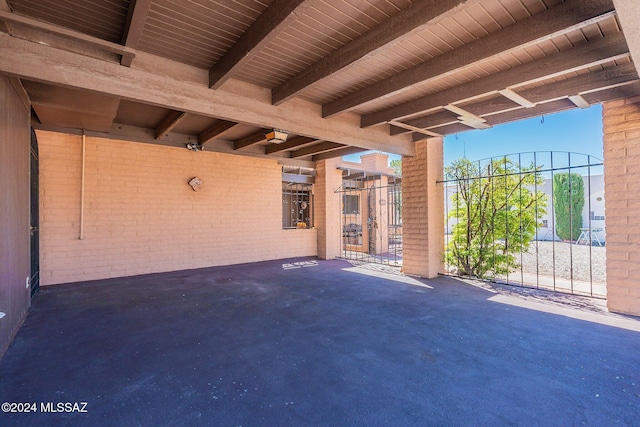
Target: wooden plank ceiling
{"x": 341, "y": 76}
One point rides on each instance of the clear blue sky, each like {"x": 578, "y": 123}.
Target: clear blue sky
{"x": 578, "y": 131}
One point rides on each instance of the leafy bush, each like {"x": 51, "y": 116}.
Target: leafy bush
{"x": 496, "y": 215}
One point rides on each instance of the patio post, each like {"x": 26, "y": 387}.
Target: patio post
{"x": 621, "y": 126}
{"x": 423, "y": 209}
{"x": 327, "y": 208}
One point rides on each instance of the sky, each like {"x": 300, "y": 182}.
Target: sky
{"x": 577, "y": 130}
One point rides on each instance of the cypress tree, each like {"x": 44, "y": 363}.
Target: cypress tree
{"x": 568, "y": 202}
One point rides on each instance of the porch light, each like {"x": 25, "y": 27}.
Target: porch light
{"x": 194, "y": 146}
{"x": 276, "y": 136}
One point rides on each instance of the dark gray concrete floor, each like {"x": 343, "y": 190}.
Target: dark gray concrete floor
{"x": 263, "y": 345}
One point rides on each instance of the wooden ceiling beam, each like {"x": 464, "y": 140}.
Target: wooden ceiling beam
{"x": 563, "y": 18}
{"x": 250, "y": 140}
{"x": 384, "y": 35}
{"x": 86, "y": 39}
{"x": 337, "y": 153}
{"x": 556, "y": 106}
{"x": 597, "y": 52}
{"x": 629, "y": 17}
{"x": 217, "y": 129}
{"x": 278, "y": 17}
{"x": 183, "y": 88}
{"x": 316, "y": 149}
{"x": 170, "y": 121}
{"x": 414, "y": 129}
{"x": 579, "y": 101}
{"x": 296, "y": 141}
{"x": 137, "y": 16}
{"x": 578, "y": 85}
{"x": 619, "y": 92}
{"x": 4, "y": 6}
{"x": 441, "y": 118}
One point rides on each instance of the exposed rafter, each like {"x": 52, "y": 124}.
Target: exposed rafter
{"x": 316, "y": 149}
{"x": 565, "y": 17}
{"x": 579, "y": 101}
{"x": 586, "y": 55}
{"x": 250, "y": 140}
{"x": 4, "y": 6}
{"x": 518, "y": 99}
{"x": 170, "y": 121}
{"x": 628, "y": 90}
{"x": 585, "y": 83}
{"x": 574, "y": 50}
{"x": 215, "y": 130}
{"x": 178, "y": 91}
{"x": 278, "y": 16}
{"x": 629, "y": 20}
{"x": 410, "y": 20}
{"x": 337, "y": 153}
{"x": 88, "y": 40}
{"x": 297, "y": 141}
{"x": 138, "y": 11}
{"x": 406, "y": 127}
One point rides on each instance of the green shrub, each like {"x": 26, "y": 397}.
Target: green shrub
{"x": 568, "y": 202}
{"x": 496, "y": 213}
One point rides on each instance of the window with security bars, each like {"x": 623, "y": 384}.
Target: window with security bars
{"x": 350, "y": 204}
{"x": 297, "y": 206}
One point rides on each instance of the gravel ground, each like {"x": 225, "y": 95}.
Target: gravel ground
{"x": 544, "y": 258}
{"x": 566, "y": 258}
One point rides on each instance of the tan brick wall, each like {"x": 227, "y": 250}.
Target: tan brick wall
{"x": 377, "y": 162}
{"x": 141, "y": 216}
{"x": 328, "y": 215}
{"x": 621, "y": 125}
{"x": 423, "y": 209}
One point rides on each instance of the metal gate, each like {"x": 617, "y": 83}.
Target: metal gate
{"x": 529, "y": 219}
{"x": 34, "y": 278}
{"x": 371, "y": 212}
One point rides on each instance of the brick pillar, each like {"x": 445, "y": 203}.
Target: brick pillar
{"x": 327, "y": 213}
{"x": 621, "y": 120}
{"x": 375, "y": 162}
{"x": 423, "y": 210}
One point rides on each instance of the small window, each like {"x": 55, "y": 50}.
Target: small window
{"x": 297, "y": 206}
{"x": 350, "y": 204}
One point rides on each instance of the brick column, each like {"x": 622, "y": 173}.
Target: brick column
{"x": 621, "y": 120}
{"x": 423, "y": 210}
{"x": 327, "y": 211}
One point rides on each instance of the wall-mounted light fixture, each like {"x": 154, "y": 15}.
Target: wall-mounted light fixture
{"x": 196, "y": 183}
{"x": 276, "y": 136}
{"x": 194, "y": 146}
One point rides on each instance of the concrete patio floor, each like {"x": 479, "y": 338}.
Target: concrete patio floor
{"x": 306, "y": 342}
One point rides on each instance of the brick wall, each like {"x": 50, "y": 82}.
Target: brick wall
{"x": 327, "y": 213}
{"x": 141, "y": 216}
{"x": 621, "y": 125}
{"x": 423, "y": 210}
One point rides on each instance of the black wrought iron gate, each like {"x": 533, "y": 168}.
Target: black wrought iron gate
{"x": 530, "y": 219}
{"x": 371, "y": 212}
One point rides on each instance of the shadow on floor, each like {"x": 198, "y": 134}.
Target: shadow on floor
{"x": 306, "y": 342}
